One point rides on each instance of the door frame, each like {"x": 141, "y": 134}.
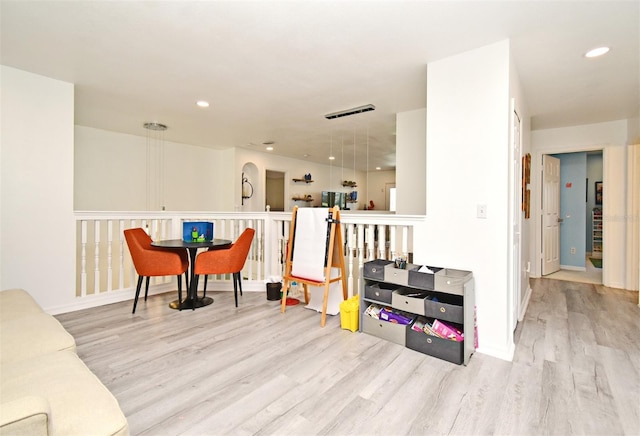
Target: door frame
{"x": 514, "y": 255}
{"x": 536, "y": 195}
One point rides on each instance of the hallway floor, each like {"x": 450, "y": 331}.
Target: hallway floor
{"x": 591, "y": 275}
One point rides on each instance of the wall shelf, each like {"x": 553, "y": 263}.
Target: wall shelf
{"x": 303, "y": 180}
{"x": 302, "y": 199}
{"x": 349, "y": 184}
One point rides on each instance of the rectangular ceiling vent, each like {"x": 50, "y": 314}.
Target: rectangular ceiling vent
{"x": 355, "y": 110}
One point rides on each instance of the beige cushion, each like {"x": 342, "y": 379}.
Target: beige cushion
{"x": 26, "y": 416}
{"x": 80, "y": 404}
{"x": 33, "y": 335}
{"x": 15, "y": 303}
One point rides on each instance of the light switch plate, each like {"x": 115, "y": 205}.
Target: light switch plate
{"x": 482, "y": 211}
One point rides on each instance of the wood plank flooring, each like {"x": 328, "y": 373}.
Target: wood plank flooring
{"x": 253, "y": 371}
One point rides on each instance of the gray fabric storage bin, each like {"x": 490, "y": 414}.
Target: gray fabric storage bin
{"x": 447, "y": 308}
{"x": 396, "y": 333}
{"x": 374, "y": 269}
{"x": 452, "y": 280}
{"x": 409, "y": 300}
{"x": 445, "y": 349}
{"x": 397, "y": 275}
{"x": 380, "y": 291}
{"x": 423, "y": 280}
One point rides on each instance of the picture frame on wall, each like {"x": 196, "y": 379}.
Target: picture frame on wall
{"x": 598, "y": 192}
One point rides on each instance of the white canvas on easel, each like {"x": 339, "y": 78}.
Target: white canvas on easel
{"x": 316, "y": 298}
{"x": 315, "y": 258}
{"x": 310, "y": 243}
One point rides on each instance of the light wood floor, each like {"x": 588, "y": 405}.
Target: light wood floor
{"x": 252, "y": 370}
{"x": 591, "y": 274}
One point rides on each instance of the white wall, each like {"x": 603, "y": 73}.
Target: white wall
{"x": 111, "y": 171}
{"x": 37, "y": 225}
{"x": 521, "y": 108}
{"x": 111, "y": 174}
{"x": 467, "y": 164}
{"x": 580, "y": 138}
{"x": 411, "y": 148}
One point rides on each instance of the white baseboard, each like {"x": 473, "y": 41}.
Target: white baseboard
{"x": 504, "y": 354}
{"x": 573, "y": 268}
{"x": 525, "y": 304}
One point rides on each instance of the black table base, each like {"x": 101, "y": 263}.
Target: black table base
{"x": 192, "y": 248}
{"x": 188, "y": 303}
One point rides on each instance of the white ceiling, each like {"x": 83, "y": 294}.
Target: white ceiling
{"x": 272, "y": 70}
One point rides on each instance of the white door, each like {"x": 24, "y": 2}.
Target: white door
{"x": 550, "y": 214}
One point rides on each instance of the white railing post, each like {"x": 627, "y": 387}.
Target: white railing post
{"x": 405, "y": 243}
{"x": 121, "y": 250}
{"x": 361, "y": 246}
{"x": 392, "y": 243}
{"x": 96, "y": 257}
{"x": 109, "y": 255}
{"x": 382, "y": 241}
{"x": 350, "y": 252}
{"x": 83, "y": 258}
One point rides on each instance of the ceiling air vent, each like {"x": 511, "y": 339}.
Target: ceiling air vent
{"x": 355, "y": 110}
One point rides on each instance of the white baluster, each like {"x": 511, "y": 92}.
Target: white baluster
{"x": 96, "y": 257}
{"x": 349, "y": 253}
{"x": 360, "y": 246}
{"x": 132, "y": 280}
{"x": 371, "y": 241}
{"x": 382, "y": 241}
{"x": 392, "y": 242}
{"x": 405, "y": 244}
{"x": 121, "y": 253}
{"x": 109, "y": 255}
{"x": 83, "y": 259}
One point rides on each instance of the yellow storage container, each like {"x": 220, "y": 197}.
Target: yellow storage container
{"x": 349, "y": 313}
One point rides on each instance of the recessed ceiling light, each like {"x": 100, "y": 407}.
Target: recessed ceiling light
{"x": 269, "y": 148}
{"x": 332, "y": 158}
{"x": 378, "y": 168}
{"x": 202, "y": 103}
{"x": 594, "y": 53}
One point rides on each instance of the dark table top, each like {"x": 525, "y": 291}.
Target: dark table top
{"x": 179, "y": 243}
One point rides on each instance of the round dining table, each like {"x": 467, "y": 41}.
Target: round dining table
{"x": 192, "y": 301}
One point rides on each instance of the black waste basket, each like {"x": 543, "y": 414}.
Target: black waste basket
{"x": 273, "y": 291}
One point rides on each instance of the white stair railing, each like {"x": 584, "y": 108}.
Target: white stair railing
{"x": 104, "y": 265}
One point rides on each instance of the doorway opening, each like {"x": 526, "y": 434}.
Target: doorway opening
{"x": 274, "y": 195}
{"x": 580, "y": 235}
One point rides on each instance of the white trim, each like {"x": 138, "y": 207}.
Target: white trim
{"x": 573, "y": 268}
{"x": 525, "y": 304}
{"x": 504, "y": 354}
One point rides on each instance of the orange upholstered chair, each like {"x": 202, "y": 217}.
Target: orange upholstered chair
{"x": 225, "y": 261}
{"x": 151, "y": 261}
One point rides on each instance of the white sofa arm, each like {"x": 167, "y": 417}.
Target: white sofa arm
{"x": 28, "y": 415}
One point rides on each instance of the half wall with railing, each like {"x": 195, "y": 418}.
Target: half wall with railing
{"x": 104, "y": 266}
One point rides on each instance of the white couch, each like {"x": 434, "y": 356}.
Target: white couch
{"x": 45, "y": 389}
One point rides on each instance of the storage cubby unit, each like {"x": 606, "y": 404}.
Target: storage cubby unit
{"x": 596, "y": 221}
{"x": 444, "y": 294}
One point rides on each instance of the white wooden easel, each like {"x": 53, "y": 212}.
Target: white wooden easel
{"x": 311, "y": 254}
